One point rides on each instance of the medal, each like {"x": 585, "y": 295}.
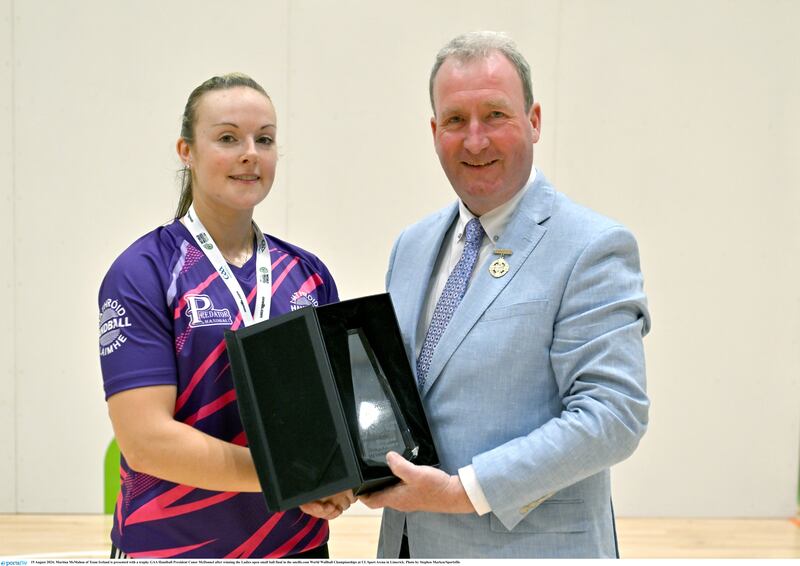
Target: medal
{"x": 500, "y": 267}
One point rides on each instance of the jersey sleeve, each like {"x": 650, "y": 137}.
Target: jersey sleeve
{"x": 331, "y": 292}
{"x": 136, "y": 330}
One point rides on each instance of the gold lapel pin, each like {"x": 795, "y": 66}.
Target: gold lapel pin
{"x": 500, "y": 267}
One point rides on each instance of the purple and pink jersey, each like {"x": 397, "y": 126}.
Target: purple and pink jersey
{"x": 163, "y": 314}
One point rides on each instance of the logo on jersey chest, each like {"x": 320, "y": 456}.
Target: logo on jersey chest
{"x": 201, "y": 312}
{"x": 301, "y": 299}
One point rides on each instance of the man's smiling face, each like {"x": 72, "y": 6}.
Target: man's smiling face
{"x": 482, "y": 133}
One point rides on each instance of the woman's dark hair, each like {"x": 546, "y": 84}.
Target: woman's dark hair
{"x": 189, "y": 119}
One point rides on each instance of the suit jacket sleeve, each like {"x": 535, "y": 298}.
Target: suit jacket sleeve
{"x": 597, "y": 360}
{"x": 391, "y": 259}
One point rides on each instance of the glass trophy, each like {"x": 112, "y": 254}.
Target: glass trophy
{"x": 381, "y": 426}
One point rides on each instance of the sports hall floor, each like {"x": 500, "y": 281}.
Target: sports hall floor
{"x": 355, "y": 536}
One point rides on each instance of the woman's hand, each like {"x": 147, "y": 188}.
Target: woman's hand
{"x": 329, "y": 507}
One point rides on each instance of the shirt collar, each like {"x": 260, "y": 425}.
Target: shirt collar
{"x": 495, "y": 221}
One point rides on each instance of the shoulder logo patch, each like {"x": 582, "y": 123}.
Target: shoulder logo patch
{"x": 301, "y": 299}
{"x": 113, "y": 322}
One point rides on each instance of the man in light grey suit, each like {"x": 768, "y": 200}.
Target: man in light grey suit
{"x": 525, "y": 315}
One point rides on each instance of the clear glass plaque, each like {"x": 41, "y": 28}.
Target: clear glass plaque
{"x": 381, "y": 426}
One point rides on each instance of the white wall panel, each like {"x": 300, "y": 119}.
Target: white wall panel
{"x": 100, "y": 91}
{"x": 363, "y": 164}
{"x": 8, "y": 464}
{"x": 677, "y": 118}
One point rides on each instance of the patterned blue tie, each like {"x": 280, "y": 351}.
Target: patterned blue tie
{"x": 451, "y": 296}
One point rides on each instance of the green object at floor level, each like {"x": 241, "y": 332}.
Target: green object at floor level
{"x": 111, "y": 477}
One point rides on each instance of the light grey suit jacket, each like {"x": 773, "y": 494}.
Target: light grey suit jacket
{"x": 538, "y": 381}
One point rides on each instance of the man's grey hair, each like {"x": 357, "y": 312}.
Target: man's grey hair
{"x": 480, "y": 45}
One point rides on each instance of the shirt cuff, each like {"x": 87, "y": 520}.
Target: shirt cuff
{"x": 469, "y": 479}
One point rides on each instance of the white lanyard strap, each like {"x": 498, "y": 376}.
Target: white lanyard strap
{"x": 263, "y": 268}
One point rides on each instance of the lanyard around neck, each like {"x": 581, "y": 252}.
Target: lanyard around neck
{"x": 263, "y": 268}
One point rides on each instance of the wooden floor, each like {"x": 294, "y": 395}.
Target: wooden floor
{"x": 354, "y": 536}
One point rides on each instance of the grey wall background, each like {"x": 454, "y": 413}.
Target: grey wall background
{"x": 679, "y": 118}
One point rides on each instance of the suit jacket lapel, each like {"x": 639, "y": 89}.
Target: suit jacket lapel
{"x": 417, "y": 279}
{"x": 523, "y": 233}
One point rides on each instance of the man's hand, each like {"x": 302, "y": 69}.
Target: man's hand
{"x": 421, "y": 488}
{"x": 330, "y": 507}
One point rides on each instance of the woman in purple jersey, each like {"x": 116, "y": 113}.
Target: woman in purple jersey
{"x": 190, "y": 488}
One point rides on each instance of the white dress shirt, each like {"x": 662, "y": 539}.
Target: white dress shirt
{"x": 494, "y": 224}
